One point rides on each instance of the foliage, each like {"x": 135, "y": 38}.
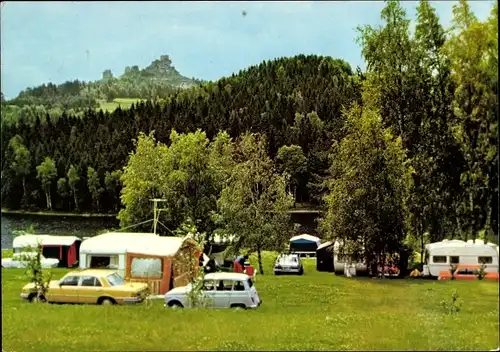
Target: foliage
{"x": 196, "y": 296}
{"x": 473, "y": 54}
{"x": 36, "y": 274}
{"x": 76, "y": 97}
{"x": 73, "y": 179}
{"x": 254, "y": 202}
{"x": 368, "y": 189}
{"x": 94, "y": 185}
{"x": 453, "y": 269}
{"x": 30, "y": 230}
{"x": 189, "y": 174}
{"x": 454, "y": 305}
{"x": 113, "y": 183}
{"x": 62, "y": 188}
{"x": 103, "y": 140}
{"x": 481, "y": 273}
{"x": 46, "y": 172}
{"x": 292, "y": 164}
{"x": 21, "y": 160}
{"x": 409, "y": 82}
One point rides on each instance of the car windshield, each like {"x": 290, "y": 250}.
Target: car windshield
{"x": 288, "y": 259}
{"x": 115, "y": 280}
{"x": 250, "y": 283}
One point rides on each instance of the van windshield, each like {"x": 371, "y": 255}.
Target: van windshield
{"x": 250, "y": 283}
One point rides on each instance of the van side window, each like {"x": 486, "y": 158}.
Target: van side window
{"x": 238, "y": 286}
{"x": 208, "y": 285}
{"x": 454, "y": 260}
{"x": 485, "y": 260}
{"x": 438, "y": 259}
{"x": 224, "y": 285}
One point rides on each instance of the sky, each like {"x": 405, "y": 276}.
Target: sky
{"x": 55, "y": 42}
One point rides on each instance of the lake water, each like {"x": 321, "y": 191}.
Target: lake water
{"x": 54, "y": 225}
{"x": 88, "y": 227}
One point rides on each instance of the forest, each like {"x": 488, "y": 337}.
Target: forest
{"x": 406, "y": 149}
{"x": 159, "y": 79}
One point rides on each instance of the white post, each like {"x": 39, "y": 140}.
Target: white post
{"x": 156, "y": 212}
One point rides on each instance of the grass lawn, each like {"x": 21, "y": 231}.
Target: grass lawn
{"x": 317, "y": 311}
{"x": 124, "y": 103}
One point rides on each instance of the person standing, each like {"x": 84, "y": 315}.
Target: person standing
{"x": 239, "y": 263}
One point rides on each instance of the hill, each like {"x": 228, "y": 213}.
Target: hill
{"x": 295, "y": 100}
{"x": 158, "y": 79}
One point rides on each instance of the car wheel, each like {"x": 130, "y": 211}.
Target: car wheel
{"x": 238, "y": 307}
{"x": 301, "y": 271}
{"x": 175, "y": 305}
{"x": 277, "y": 273}
{"x": 35, "y": 299}
{"x": 107, "y": 302}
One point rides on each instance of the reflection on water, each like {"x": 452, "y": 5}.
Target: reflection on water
{"x": 54, "y": 225}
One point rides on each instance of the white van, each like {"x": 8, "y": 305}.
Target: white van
{"x": 439, "y": 256}
{"x": 221, "y": 290}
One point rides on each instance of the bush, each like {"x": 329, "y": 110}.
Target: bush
{"x": 453, "y": 269}
{"x": 481, "y": 273}
{"x": 454, "y": 305}
{"x": 36, "y": 274}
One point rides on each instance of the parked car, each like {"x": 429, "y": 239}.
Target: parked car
{"x": 20, "y": 260}
{"x": 288, "y": 264}
{"x": 92, "y": 286}
{"x": 220, "y": 290}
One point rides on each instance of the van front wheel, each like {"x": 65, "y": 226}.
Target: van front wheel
{"x": 238, "y": 306}
{"x": 175, "y": 305}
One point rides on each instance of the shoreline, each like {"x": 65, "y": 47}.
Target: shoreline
{"x": 57, "y": 213}
{"x": 104, "y": 215}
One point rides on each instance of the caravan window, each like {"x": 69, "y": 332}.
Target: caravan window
{"x": 454, "y": 260}
{"x": 146, "y": 267}
{"x": 109, "y": 262}
{"x": 485, "y": 260}
{"x": 439, "y": 259}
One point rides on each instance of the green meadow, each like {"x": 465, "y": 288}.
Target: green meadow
{"x": 317, "y": 311}
{"x": 123, "y": 103}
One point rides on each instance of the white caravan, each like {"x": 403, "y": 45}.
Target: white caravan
{"x": 340, "y": 261}
{"x": 439, "y": 256}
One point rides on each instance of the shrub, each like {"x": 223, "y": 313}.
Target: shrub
{"x": 453, "y": 269}
{"x": 454, "y": 305}
{"x": 36, "y": 274}
{"x": 481, "y": 273}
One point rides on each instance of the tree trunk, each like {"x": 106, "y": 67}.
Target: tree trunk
{"x": 294, "y": 195}
{"x": 47, "y": 199}
{"x": 76, "y": 201}
{"x": 421, "y": 235}
{"x": 24, "y": 187}
{"x": 259, "y": 256}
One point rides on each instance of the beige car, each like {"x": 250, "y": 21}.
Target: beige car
{"x": 97, "y": 286}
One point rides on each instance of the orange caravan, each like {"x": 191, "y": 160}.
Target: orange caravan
{"x": 467, "y": 272}
{"x": 162, "y": 262}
